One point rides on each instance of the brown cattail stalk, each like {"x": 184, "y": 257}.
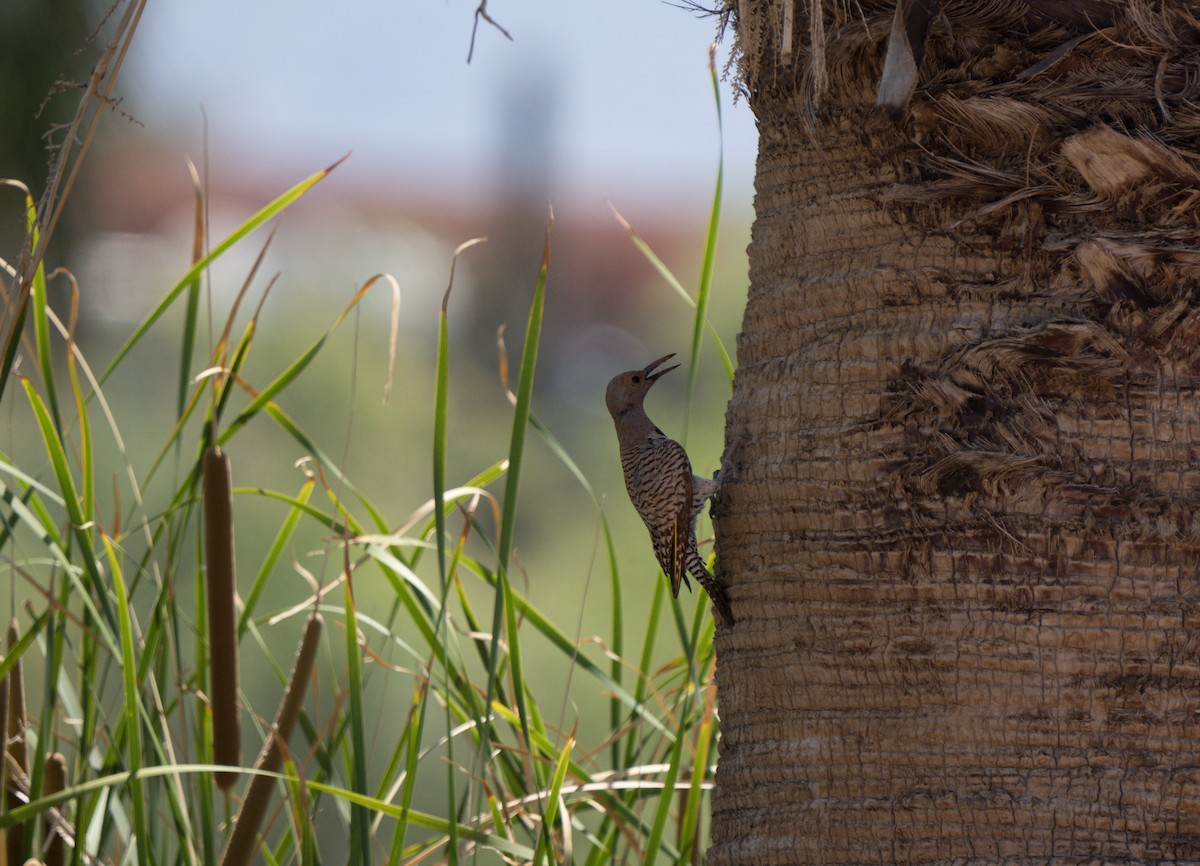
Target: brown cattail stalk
{"x": 14, "y": 726}
{"x": 243, "y": 841}
{"x": 222, "y": 619}
{"x": 55, "y": 780}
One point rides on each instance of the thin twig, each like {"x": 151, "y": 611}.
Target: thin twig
{"x": 481, "y": 12}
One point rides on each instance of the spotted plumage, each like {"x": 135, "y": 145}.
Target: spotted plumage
{"x": 659, "y": 479}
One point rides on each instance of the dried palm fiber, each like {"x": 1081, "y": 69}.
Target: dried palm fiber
{"x": 1071, "y": 139}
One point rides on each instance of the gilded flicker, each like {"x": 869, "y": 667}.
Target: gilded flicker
{"x": 658, "y": 476}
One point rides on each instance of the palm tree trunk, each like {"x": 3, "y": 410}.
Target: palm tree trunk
{"x": 962, "y": 545}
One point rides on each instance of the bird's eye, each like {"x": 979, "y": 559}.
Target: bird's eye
{"x": 636, "y": 379}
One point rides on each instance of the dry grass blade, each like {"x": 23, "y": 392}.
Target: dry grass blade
{"x": 221, "y": 352}
{"x": 393, "y": 332}
{"x": 242, "y": 842}
{"x": 222, "y": 619}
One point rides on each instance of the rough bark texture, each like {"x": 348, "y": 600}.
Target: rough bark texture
{"x": 962, "y": 547}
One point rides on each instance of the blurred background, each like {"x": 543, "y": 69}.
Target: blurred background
{"x": 591, "y": 106}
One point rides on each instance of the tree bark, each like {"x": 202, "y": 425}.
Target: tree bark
{"x": 962, "y": 544}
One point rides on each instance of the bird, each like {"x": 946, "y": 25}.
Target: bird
{"x": 659, "y": 479}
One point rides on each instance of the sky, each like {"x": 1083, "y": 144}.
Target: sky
{"x": 606, "y": 98}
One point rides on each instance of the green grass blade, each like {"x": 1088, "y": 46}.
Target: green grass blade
{"x": 302, "y": 825}
{"x": 86, "y": 454}
{"x": 56, "y": 453}
{"x": 540, "y": 623}
{"x": 505, "y": 610}
{"x": 263, "y": 215}
{"x": 132, "y": 720}
{"x": 8, "y": 468}
{"x": 671, "y": 280}
{"x": 41, "y": 321}
{"x": 225, "y": 383}
{"x": 265, "y": 397}
{"x": 273, "y": 553}
{"x": 52, "y": 648}
{"x": 268, "y": 394}
{"x": 663, "y": 812}
{"x": 66, "y": 484}
{"x": 521, "y": 413}
{"x": 545, "y": 844}
{"x": 187, "y": 345}
{"x": 648, "y": 642}
{"x": 187, "y": 342}
{"x": 429, "y": 822}
{"x": 13, "y": 654}
{"x": 690, "y": 820}
{"x": 42, "y": 528}
{"x": 710, "y": 255}
{"x": 191, "y": 316}
{"x": 360, "y": 819}
{"x": 452, "y": 497}
{"x": 286, "y": 423}
{"x": 326, "y": 519}
{"x": 10, "y": 349}
{"x": 617, "y": 638}
{"x": 441, "y": 389}
{"x": 440, "y": 422}
{"x": 412, "y": 733}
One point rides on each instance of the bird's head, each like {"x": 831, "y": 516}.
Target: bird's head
{"x": 627, "y": 390}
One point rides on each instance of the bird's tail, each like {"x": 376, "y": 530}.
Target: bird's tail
{"x": 715, "y": 590}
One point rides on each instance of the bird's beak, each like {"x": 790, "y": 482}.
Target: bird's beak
{"x": 649, "y": 373}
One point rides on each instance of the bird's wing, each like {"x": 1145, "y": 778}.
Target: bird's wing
{"x": 672, "y": 495}
{"x": 683, "y": 531}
